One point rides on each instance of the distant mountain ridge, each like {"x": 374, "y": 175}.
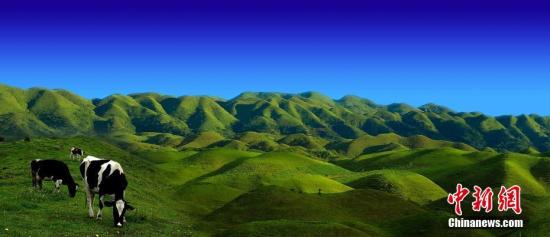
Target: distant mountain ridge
{"x": 54, "y": 113}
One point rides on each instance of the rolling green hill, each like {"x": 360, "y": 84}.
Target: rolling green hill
{"x": 237, "y": 172}
{"x": 407, "y": 185}
{"x": 229, "y": 192}
{"x": 272, "y": 211}
{"x": 448, "y": 166}
{"x": 308, "y": 120}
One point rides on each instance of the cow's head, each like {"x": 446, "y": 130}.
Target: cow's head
{"x": 119, "y": 210}
{"x": 72, "y": 189}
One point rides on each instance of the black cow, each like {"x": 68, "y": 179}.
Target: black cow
{"x": 105, "y": 177}
{"x": 76, "y": 153}
{"x": 53, "y": 170}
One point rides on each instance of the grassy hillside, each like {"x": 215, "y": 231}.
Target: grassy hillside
{"x": 233, "y": 173}
{"x": 281, "y": 169}
{"x": 228, "y": 192}
{"x": 26, "y": 212}
{"x": 270, "y": 211}
{"x": 407, "y": 185}
{"x": 391, "y": 141}
{"x": 448, "y": 166}
{"x": 202, "y": 140}
{"x": 309, "y": 120}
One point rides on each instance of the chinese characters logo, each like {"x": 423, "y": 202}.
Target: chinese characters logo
{"x": 508, "y": 199}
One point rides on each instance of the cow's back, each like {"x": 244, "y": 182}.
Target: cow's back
{"x": 50, "y": 168}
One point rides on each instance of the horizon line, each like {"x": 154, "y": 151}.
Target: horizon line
{"x": 274, "y": 92}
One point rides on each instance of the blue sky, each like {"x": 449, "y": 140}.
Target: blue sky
{"x": 489, "y": 56}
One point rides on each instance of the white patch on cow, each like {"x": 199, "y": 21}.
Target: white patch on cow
{"x": 118, "y": 224}
{"x": 120, "y": 207}
{"x": 114, "y": 166}
{"x": 100, "y": 173}
{"x": 58, "y": 183}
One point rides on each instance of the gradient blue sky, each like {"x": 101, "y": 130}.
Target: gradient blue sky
{"x": 488, "y": 56}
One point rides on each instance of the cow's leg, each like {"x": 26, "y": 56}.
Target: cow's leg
{"x": 90, "y": 199}
{"x": 100, "y": 211}
{"x": 58, "y": 184}
{"x": 33, "y": 180}
{"x": 39, "y": 181}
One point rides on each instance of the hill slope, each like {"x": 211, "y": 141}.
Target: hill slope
{"x": 228, "y": 192}
{"x": 28, "y": 211}
{"x": 56, "y": 113}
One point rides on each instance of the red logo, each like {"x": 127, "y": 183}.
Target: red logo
{"x": 507, "y": 199}
{"x": 457, "y": 198}
{"x": 483, "y": 199}
{"x": 510, "y": 199}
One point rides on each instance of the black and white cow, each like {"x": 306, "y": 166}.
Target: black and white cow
{"x": 105, "y": 177}
{"x": 53, "y": 170}
{"x": 76, "y": 153}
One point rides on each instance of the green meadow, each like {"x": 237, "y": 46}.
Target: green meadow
{"x": 268, "y": 164}
{"x": 230, "y": 192}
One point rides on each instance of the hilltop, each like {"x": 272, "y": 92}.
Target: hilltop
{"x": 350, "y": 126}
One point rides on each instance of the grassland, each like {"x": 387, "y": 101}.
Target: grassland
{"x": 29, "y": 212}
{"x": 230, "y": 192}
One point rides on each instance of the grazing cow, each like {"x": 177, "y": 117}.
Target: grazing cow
{"x": 105, "y": 177}
{"x": 53, "y": 170}
{"x": 76, "y": 153}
